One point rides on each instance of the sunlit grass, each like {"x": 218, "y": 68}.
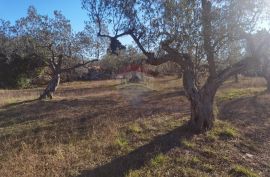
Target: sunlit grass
{"x": 238, "y": 93}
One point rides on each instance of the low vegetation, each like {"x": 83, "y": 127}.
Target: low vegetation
{"x": 242, "y": 171}
{"x": 127, "y": 138}
{"x": 146, "y": 88}
{"x": 235, "y": 93}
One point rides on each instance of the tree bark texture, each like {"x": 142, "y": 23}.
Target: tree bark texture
{"x": 51, "y": 87}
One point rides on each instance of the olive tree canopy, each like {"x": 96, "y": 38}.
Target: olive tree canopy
{"x": 195, "y": 34}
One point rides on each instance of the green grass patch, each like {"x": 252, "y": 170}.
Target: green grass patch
{"x": 158, "y": 160}
{"x": 195, "y": 160}
{"x": 229, "y": 132}
{"x": 133, "y": 173}
{"x": 207, "y": 168}
{"x": 135, "y": 128}
{"x": 237, "y": 93}
{"x": 211, "y": 137}
{"x": 187, "y": 144}
{"x": 193, "y": 166}
{"x": 239, "y": 170}
{"x": 121, "y": 143}
{"x": 209, "y": 152}
{"x": 222, "y": 130}
{"x": 188, "y": 161}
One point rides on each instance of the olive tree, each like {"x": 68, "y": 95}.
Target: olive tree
{"x": 264, "y": 68}
{"x": 57, "y": 42}
{"x": 190, "y": 33}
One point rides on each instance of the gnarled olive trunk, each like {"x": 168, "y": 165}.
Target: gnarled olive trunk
{"x": 51, "y": 88}
{"x": 201, "y": 100}
{"x": 202, "y": 113}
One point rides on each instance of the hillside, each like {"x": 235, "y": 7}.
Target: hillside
{"x": 105, "y": 128}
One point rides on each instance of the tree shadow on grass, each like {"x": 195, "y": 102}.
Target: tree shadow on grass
{"x": 63, "y": 92}
{"x": 78, "y": 116}
{"x": 39, "y": 109}
{"x": 119, "y": 167}
{"x": 247, "y": 110}
{"x": 19, "y": 103}
{"x": 251, "y": 116}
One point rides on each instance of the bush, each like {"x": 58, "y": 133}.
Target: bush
{"x": 18, "y": 71}
{"x": 23, "y": 82}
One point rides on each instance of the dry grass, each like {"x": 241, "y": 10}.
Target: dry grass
{"x": 103, "y": 128}
{"x": 15, "y": 96}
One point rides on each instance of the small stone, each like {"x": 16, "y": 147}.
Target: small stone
{"x": 249, "y": 155}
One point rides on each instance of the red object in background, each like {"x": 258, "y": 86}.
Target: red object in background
{"x": 132, "y": 68}
{"x": 137, "y": 68}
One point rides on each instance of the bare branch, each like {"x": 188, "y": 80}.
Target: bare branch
{"x": 52, "y": 66}
{"x": 99, "y": 27}
{"x": 235, "y": 69}
{"x": 137, "y": 41}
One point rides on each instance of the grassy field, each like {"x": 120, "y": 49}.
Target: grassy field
{"x": 105, "y": 128}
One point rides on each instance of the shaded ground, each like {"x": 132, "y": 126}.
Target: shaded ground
{"x": 108, "y": 129}
{"x": 137, "y": 158}
{"x": 252, "y": 117}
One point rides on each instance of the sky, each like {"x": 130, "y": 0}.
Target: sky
{"x": 14, "y": 9}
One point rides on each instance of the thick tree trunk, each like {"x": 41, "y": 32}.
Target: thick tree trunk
{"x": 51, "y": 88}
{"x": 202, "y": 114}
{"x": 201, "y": 101}
{"x": 236, "y": 78}
{"x": 134, "y": 78}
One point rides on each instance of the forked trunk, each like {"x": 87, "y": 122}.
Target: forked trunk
{"x": 202, "y": 115}
{"x": 201, "y": 101}
{"x": 51, "y": 88}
